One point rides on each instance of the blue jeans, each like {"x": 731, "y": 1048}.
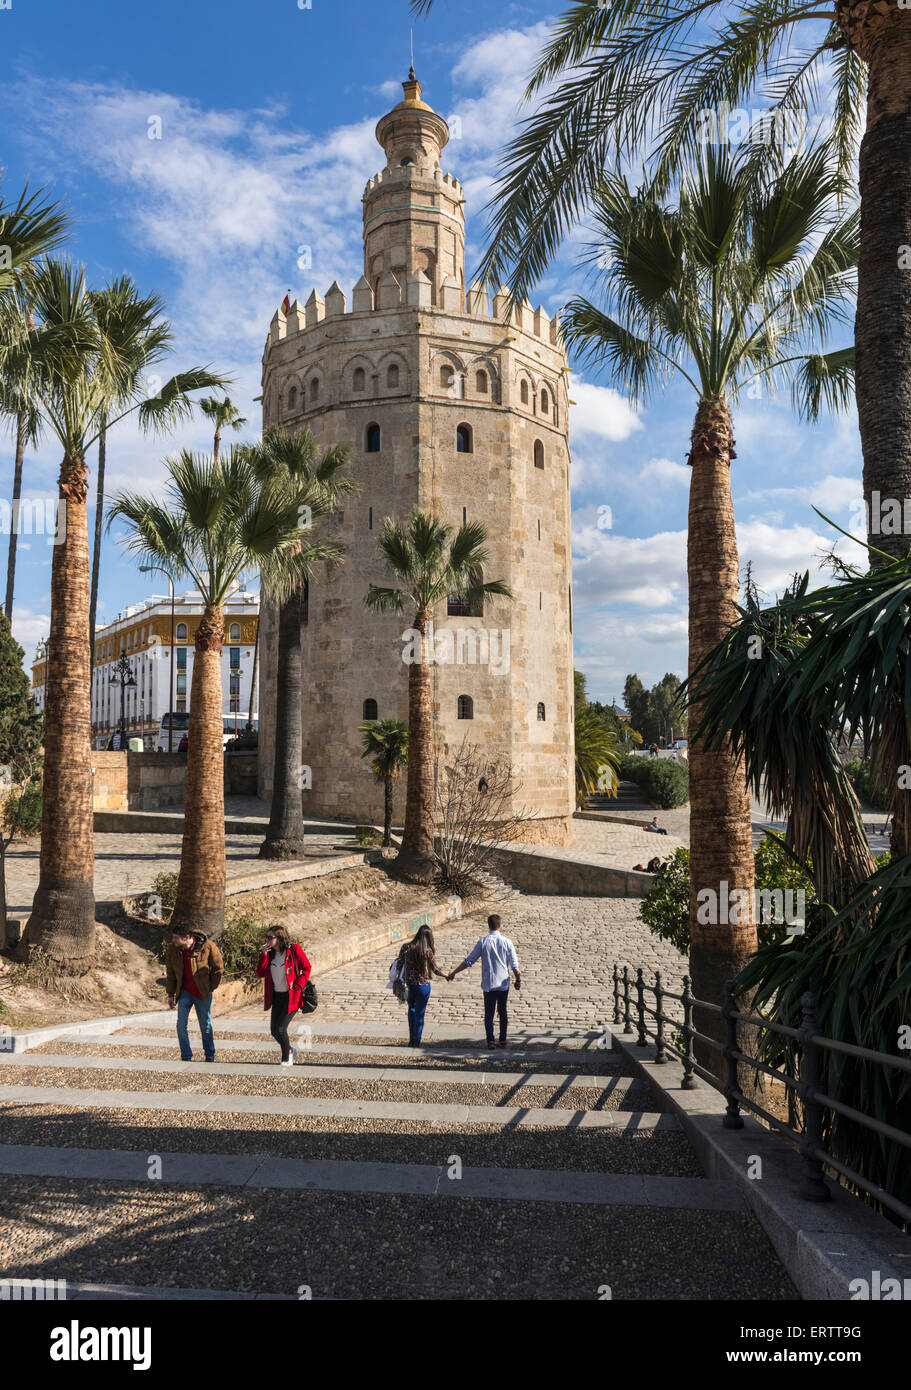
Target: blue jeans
{"x": 418, "y": 996}
{"x": 495, "y": 999}
{"x": 203, "y": 1008}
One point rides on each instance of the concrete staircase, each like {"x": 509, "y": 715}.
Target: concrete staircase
{"x": 369, "y": 1170}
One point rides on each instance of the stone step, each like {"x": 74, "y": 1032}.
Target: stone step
{"x": 328, "y": 1175}
{"x": 367, "y": 1245}
{"x": 628, "y": 1122}
{"x": 93, "y": 1045}
{"x": 435, "y": 1034}
{"x": 438, "y": 1076}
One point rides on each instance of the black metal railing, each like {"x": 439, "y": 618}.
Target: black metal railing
{"x": 806, "y": 1085}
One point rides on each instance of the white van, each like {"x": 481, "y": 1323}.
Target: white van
{"x": 181, "y": 724}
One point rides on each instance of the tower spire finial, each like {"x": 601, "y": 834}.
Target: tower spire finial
{"x": 411, "y": 76}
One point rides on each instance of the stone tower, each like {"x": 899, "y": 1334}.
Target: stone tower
{"x": 461, "y": 412}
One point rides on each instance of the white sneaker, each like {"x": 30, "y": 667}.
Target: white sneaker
{"x": 290, "y": 1062}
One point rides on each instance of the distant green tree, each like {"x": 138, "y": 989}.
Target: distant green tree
{"x": 635, "y": 697}
{"x": 21, "y": 724}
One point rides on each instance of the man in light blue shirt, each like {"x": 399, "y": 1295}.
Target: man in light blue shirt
{"x": 498, "y": 956}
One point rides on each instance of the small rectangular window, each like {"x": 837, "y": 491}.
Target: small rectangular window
{"x": 370, "y": 521}
{"x": 235, "y": 658}
{"x": 181, "y": 658}
{"x": 182, "y": 684}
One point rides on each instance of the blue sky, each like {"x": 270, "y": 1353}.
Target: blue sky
{"x": 267, "y": 115}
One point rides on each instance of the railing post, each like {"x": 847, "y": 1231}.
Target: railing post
{"x": 689, "y": 1080}
{"x": 660, "y": 1054}
{"x": 617, "y": 1015}
{"x": 813, "y": 1188}
{"x": 733, "y": 1118}
{"x": 627, "y": 1020}
{"x": 641, "y": 1041}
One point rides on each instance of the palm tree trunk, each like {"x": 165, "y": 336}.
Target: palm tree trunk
{"x": 415, "y": 859}
{"x": 387, "y": 812}
{"x": 285, "y": 835}
{"x": 200, "y": 901}
{"x": 62, "y": 923}
{"x": 882, "y": 331}
{"x": 96, "y": 549}
{"x": 721, "y": 841}
{"x": 14, "y": 529}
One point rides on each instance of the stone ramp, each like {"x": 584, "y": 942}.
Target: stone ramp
{"x": 353, "y": 1177}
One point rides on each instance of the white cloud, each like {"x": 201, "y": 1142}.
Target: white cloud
{"x": 648, "y": 571}
{"x": 600, "y": 412}
{"x": 29, "y": 628}
{"x": 667, "y": 471}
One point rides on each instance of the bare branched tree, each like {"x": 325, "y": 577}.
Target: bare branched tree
{"x": 476, "y": 811}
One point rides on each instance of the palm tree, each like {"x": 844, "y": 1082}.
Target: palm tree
{"x": 318, "y": 482}
{"x": 385, "y": 743}
{"x": 28, "y": 230}
{"x": 14, "y": 405}
{"x": 76, "y": 375}
{"x": 633, "y": 75}
{"x": 725, "y": 290}
{"x": 429, "y": 567}
{"x": 215, "y": 521}
{"x": 224, "y": 415}
{"x": 142, "y": 338}
{"x": 745, "y": 688}
{"x": 596, "y": 749}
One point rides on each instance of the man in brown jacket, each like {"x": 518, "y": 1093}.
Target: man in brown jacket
{"x": 194, "y": 969}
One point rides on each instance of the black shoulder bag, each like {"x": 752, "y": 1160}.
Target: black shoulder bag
{"x": 310, "y": 998}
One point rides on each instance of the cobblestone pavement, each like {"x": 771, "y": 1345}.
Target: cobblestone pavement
{"x": 566, "y": 949}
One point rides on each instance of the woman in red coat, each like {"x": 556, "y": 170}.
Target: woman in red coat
{"x": 286, "y": 970}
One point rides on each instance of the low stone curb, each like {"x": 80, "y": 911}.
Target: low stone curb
{"x": 824, "y": 1246}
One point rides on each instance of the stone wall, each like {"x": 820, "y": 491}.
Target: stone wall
{"x": 158, "y": 781}
{"x": 109, "y": 788}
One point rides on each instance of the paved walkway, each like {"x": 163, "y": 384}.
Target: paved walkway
{"x": 371, "y": 1170}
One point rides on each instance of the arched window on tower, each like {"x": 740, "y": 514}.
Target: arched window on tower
{"x": 314, "y": 390}
{"x": 523, "y": 392}
{"x": 372, "y": 444}
{"x": 360, "y": 380}
{"x": 545, "y": 403}
{"x": 370, "y": 709}
{"x": 392, "y": 376}
{"x": 464, "y": 440}
{"x": 447, "y": 378}
{"x": 465, "y": 707}
{"x": 459, "y": 606}
{"x": 539, "y": 454}
{"x": 542, "y": 713}
{"x": 481, "y": 383}
{"x": 292, "y": 398}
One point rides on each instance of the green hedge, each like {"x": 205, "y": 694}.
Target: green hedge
{"x": 665, "y": 909}
{"x": 665, "y": 783}
{"x": 30, "y": 821}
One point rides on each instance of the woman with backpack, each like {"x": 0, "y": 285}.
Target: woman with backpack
{"x": 286, "y": 971}
{"x": 416, "y": 964}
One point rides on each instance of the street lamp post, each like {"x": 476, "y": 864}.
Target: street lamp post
{"x": 123, "y": 676}
{"x": 148, "y": 569}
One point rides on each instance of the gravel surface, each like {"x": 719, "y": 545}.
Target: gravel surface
{"x": 603, "y": 1064}
{"x": 296, "y": 1082}
{"x": 569, "y": 1043}
{"x": 646, "y": 1152}
{"x": 364, "y": 1246}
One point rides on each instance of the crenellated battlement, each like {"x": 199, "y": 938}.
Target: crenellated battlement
{"x": 413, "y": 291}
{"x": 414, "y": 173}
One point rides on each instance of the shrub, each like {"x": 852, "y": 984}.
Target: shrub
{"x": 665, "y": 909}
{"x": 860, "y": 773}
{"x": 665, "y": 783}
{"x": 30, "y": 819}
{"x": 164, "y": 886}
{"x": 242, "y": 944}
